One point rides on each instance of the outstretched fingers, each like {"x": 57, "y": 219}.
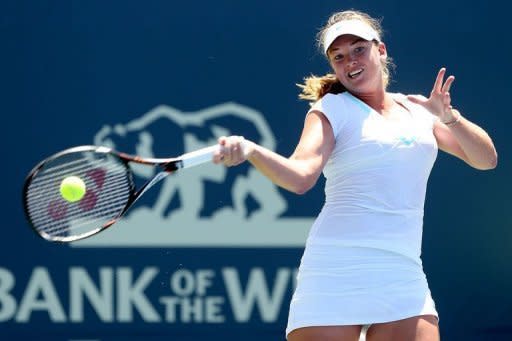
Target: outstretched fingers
{"x": 448, "y": 84}
{"x": 441, "y": 86}
{"x": 438, "y": 84}
{"x": 445, "y": 94}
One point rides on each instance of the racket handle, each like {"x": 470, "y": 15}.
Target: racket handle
{"x": 199, "y": 156}
{"x": 204, "y": 155}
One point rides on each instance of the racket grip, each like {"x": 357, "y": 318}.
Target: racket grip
{"x": 204, "y": 155}
{"x": 199, "y": 156}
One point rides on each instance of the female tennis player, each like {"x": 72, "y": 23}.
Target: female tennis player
{"x": 361, "y": 266}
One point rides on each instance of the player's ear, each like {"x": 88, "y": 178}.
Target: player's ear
{"x": 383, "y": 52}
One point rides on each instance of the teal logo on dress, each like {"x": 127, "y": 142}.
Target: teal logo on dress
{"x": 407, "y": 140}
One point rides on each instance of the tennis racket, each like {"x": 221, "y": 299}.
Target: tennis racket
{"x": 109, "y": 189}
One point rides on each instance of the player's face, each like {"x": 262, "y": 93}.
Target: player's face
{"x": 357, "y": 63}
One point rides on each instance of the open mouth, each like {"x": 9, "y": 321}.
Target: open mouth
{"x": 355, "y": 73}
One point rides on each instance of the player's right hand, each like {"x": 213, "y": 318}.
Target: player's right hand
{"x": 233, "y": 150}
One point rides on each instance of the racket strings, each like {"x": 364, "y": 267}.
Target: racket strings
{"x": 62, "y": 218}
{"x": 69, "y": 166}
{"x": 57, "y": 173}
{"x": 85, "y": 224}
{"x": 108, "y": 188}
{"x": 52, "y": 225}
{"x": 41, "y": 204}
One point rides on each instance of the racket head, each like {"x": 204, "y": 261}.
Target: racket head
{"x": 109, "y": 190}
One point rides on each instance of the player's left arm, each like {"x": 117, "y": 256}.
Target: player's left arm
{"x": 467, "y": 141}
{"x": 454, "y": 133}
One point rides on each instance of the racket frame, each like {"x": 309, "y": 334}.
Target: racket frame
{"x": 167, "y": 167}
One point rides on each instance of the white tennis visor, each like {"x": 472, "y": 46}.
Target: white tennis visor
{"x": 356, "y": 28}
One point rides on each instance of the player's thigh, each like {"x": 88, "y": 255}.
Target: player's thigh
{"x": 326, "y": 333}
{"x": 418, "y": 328}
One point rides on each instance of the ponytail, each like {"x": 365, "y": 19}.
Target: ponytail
{"x": 315, "y": 87}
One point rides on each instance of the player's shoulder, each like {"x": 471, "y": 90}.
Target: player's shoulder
{"x": 335, "y": 108}
{"x": 330, "y": 100}
{"x": 340, "y": 97}
{"x": 330, "y": 104}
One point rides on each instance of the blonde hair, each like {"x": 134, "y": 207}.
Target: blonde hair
{"x": 315, "y": 87}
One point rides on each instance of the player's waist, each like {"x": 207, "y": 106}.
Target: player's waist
{"x": 350, "y": 208}
{"x": 332, "y": 253}
{"x": 368, "y": 251}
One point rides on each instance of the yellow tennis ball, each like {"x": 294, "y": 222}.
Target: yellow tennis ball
{"x": 72, "y": 188}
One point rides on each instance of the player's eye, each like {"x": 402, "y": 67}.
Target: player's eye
{"x": 337, "y": 57}
{"x": 359, "y": 50}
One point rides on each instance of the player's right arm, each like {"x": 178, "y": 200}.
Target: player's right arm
{"x": 297, "y": 173}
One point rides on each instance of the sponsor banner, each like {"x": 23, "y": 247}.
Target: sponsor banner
{"x": 208, "y": 246}
{"x": 153, "y": 294}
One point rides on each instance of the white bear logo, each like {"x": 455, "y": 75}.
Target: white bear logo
{"x": 205, "y": 206}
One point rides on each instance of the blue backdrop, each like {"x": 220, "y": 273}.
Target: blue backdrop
{"x": 219, "y": 259}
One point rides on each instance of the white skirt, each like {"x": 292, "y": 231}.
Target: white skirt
{"x": 357, "y": 286}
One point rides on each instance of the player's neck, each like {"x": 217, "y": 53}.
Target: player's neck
{"x": 379, "y": 101}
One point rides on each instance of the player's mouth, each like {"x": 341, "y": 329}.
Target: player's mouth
{"x": 355, "y": 73}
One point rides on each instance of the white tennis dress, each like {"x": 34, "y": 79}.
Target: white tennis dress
{"x": 361, "y": 264}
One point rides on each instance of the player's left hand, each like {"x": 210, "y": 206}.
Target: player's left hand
{"x": 439, "y": 102}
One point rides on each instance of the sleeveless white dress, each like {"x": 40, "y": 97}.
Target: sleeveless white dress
{"x": 361, "y": 264}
